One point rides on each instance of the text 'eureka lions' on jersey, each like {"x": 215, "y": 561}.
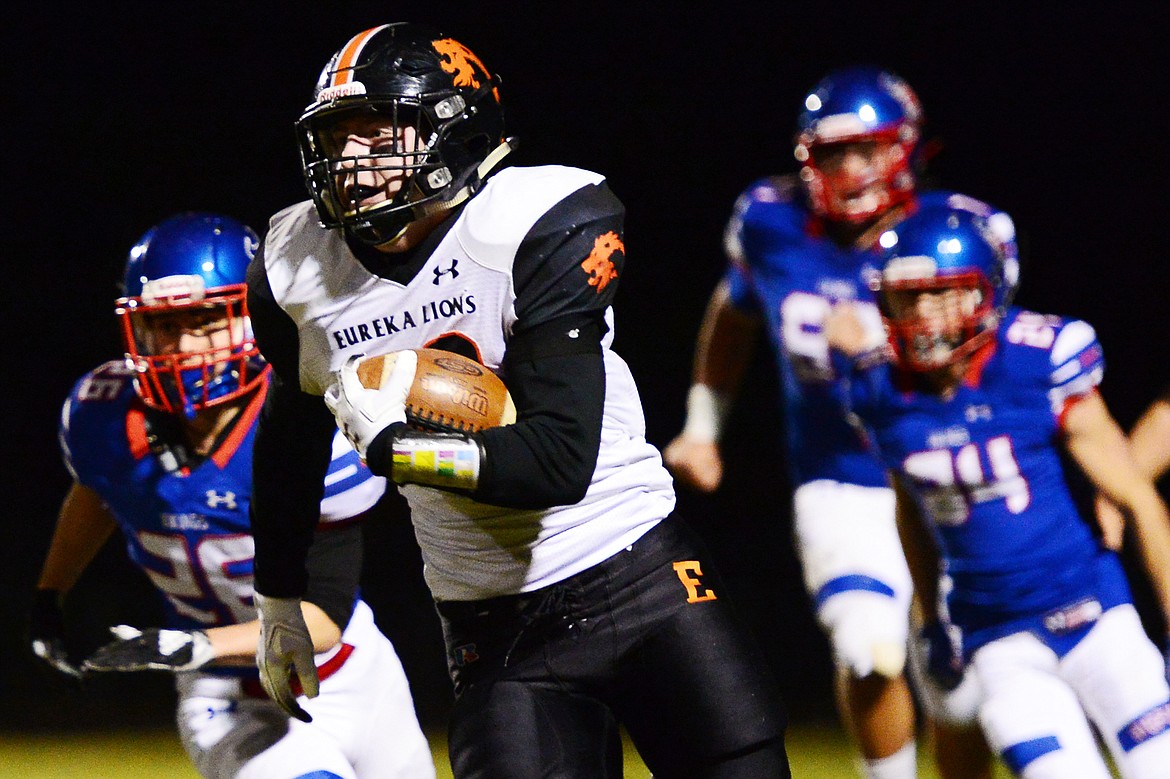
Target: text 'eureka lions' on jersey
{"x": 986, "y": 469}
{"x": 188, "y": 530}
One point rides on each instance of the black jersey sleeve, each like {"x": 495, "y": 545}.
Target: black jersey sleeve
{"x": 565, "y": 274}
{"x": 291, "y": 454}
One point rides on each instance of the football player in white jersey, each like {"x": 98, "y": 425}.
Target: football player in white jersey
{"x": 571, "y": 600}
{"x": 160, "y": 447}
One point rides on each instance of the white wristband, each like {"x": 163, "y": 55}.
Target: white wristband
{"x": 707, "y": 409}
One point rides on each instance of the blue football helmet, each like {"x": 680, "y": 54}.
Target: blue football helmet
{"x": 877, "y": 115}
{"x": 184, "y": 313}
{"x": 948, "y": 273}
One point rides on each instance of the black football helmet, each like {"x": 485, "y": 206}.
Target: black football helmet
{"x": 408, "y": 75}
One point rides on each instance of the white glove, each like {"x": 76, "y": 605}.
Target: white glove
{"x": 285, "y": 644}
{"x": 362, "y": 413}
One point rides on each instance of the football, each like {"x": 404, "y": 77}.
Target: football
{"x": 450, "y": 392}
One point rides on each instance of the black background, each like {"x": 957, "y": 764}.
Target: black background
{"x": 116, "y": 115}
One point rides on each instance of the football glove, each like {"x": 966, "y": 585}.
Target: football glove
{"x": 285, "y": 647}
{"x": 46, "y": 634}
{"x": 152, "y": 649}
{"x": 944, "y": 658}
{"x": 362, "y": 413}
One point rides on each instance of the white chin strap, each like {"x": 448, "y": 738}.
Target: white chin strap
{"x": 481, "y": 170}
{"x": 424, "y": 210}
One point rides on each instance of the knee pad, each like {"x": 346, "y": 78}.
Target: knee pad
{"x": 868, "y": 632}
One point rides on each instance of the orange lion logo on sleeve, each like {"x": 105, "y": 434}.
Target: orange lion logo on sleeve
{"x": 465, "y": 68}
{"x": 599, "y": 264}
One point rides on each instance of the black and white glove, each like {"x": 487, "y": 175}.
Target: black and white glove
{"x": 362, "y": 413}
{"x": 285, "y": 647}
{"x": 46, "y": 634}
{"x": 153, "y": 649}
{"x": 944, "y": 657}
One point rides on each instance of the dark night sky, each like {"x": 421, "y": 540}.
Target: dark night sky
{"x": 119, "y": 114}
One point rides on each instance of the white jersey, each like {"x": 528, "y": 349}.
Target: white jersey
{"x": 466, "y": 289}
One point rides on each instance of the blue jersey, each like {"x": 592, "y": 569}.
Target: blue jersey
{"x": 986, "y": 470}
{"x": 188, "y": 530}
{"x": 784, "y": 267}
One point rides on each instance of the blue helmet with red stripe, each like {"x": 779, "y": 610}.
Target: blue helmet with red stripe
{"x": 948, "y": 273}
{"x": 868, "y": 110}
{"x": 184, "y": 313}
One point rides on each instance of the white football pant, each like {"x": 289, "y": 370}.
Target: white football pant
{"x": 1035, "y": 704}
{"x": 364, "y": 724}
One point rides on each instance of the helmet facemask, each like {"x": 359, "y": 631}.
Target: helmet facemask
{"x": 407, "y": 172}
{"x": 937, "y": 321}
{"x": 857, "y": 178}
{"x": 190, "y": 348}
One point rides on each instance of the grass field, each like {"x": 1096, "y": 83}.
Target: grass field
{"x": 814, "y": 753}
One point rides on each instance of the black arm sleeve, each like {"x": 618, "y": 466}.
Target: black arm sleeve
{"x": 558, "y": 384}
{"x": 334, "y": 564}
{"x": 291, "y": 454}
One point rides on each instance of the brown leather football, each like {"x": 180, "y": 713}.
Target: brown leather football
{"x": 450, "y": 393}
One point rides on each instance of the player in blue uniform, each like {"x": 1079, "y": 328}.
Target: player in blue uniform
{"x": 160, "y": 447}
{"x": 795, "y": 248}
{"x": 972, "y": 419}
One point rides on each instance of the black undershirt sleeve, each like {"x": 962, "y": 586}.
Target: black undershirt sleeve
{"x": 558, "y": 384}
{"x": 291, "y": 454}
{"x": 334, "y": 565}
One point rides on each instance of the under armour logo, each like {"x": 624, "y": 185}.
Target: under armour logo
{"x": 227, "y": 499}
{"x": 441, "y": 273}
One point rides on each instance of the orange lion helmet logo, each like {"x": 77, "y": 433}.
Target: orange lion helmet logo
{"x": 466, "y": 69}
{"x": 599, "y": 264}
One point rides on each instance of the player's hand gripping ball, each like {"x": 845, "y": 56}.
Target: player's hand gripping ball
{"x": 449, "y": 393}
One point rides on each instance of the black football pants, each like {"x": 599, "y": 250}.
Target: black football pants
{"x": 646, "y": 639}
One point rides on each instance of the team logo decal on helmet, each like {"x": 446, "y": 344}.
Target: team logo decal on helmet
{"x": 462, "y": 64}
{"x": 184, "y": 315}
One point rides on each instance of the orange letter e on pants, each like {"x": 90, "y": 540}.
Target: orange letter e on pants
{"x": 688, "y": 573}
